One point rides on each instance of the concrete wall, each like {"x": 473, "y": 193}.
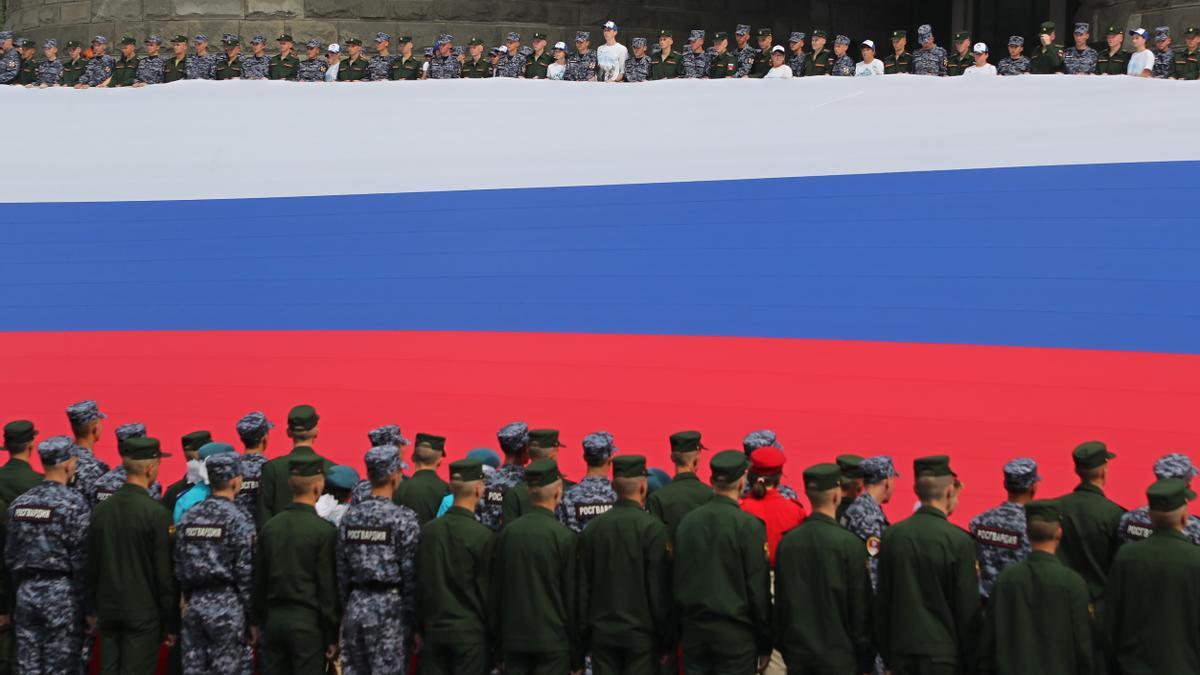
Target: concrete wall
{"x": 1178, "y": 14}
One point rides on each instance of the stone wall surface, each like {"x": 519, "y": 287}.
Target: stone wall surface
{"x": 1178, "y": 14}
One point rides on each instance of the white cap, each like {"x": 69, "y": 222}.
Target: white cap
{"x": 609, "y": 25}
{"x": 1140, "y": 32}
{"x": 980, "y": 48}
{"x": 870, "y": 44}
{"x": 335, "y": 48}
{"x": 503, "y": 49}
{"x": 778, "y": 48}
{"x": 560, "y": 45}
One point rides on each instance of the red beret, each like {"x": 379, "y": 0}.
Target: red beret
{"x": 767, "y": 461}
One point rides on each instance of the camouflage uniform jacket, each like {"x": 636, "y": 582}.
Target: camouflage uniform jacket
{"x": 1011, "y": 66}
{"x": 930, "y": 61}
{"x": 88, "y": 470}
{"x": 745, "y": 59}
{"x": 1135, "y": 525}
{"x": 796, "y": 63}
{"x": 150, "y": 70}
{"x": 312, "y": 70}
{"x": 377, "y": 67}
{"x": 49, "y": 73}
{"x": 200, "y": 67}
{"x": 256, "y": 67}
{"x": 10, "y": 66}
{"x": 1163, "y": 61}
{"x": 591, "y": 497}
{"x": 444, "y": 68}
{"x": 637, "y": 70}
{"x": 865, "y": 519}
{"x": 47, "y": 534}
{"x": 252, "y": 464}
{"x": 695, "y": 65}
{"x": 513, "y": 65}
{"x": 1080, "y": 61}
{"x": 843, "y": 67}
{"x": 581, "y": 67}
{"x": 112, "y": 481}
{"x": 214, "y": 549}
{"x": 377, "y": 552}
{"x": 99, "y": 69}
{"x": 495, "y": 486}
{"x": 1000, "y": 541}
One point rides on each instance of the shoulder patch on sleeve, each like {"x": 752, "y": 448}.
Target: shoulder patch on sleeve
{"x": 873, "y": 546}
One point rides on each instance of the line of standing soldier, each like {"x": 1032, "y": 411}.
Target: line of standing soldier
{"x": 536, "y": 573}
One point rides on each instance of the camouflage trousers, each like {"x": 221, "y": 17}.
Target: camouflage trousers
{"x": 213, "y": 634}
{"x": 373, "y": 635}
{"x": 49, "y": 627}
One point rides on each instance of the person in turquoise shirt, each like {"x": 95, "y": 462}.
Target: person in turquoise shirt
{"x": 200, "y": 491}
{"x": 491, "y": 462}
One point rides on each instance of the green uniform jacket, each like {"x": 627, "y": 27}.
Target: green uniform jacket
{"x": 474, "y": 70}
{"x": 129, "y": 574}
{"x": 72, "y": 71}
{"x": 535, "y": 587}
{"x": 1112, "y": 64}
{"x": 516, "y": 501}
{"x": 818, "y": 63}
{"x": 405, "y": 69}
{"x": 124, "y": 72}
{"x": 673, "y": 501}
{"x": 16, "y": 478}
{"x": 352, "y": 70}
{"x": 173, "y": 70}
{"x": 822, "y": 598}
{"x": 1089, "y": 540}
{"x": 1152, "y": 615}
{"x": 1046, "y": 60}
{"x": 27, "y": 74}
{"x": 956, "y": 63}
{"x": 625, "y": 578}
{"x": 761, "y": 64}
{"x": 1186, "y": 65}
{"x": 1038, "y": 621}
{"x": 294, "y": 567}
{"x": 666, "y": 66}
{"x": 423, "y": 494}
{"x": 274, "y": 493}
{"x": 536, "y": 68}
{"x": 897, "y": 63}
{"x": 173, "y": 492}
{"x": 928, "y": 592}
{"x": 723, "y": 589}
{"x": 228, "y": 70}
{"x": 454, "y": 565}
{"x": 723, "y": 65}
{"x": 284, "y": 68}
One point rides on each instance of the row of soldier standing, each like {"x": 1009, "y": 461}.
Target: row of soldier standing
{"x": 600, "y": 568}
{"x": 611, "y": 61}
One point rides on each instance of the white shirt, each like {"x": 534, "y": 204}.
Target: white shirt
{"x": 611, "y": 61}
{"x": 1139, "y": 61}
{"x": 331, "y": 73}
{"x": 555, "y": 71}
{"x": 864, "y": 69}
{"x": 985, "y": 69}
{"x": 783, "y": 72}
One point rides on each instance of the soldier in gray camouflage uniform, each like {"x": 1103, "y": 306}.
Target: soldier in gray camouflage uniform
{"x": 1135, "y": 525}
{"x": 256, "y": 65}
{"x": 582, "y": 64}
{"x": 512, "y": 63}
{"x": 1080, "y": 59}
{"x": 796, "y": 55}
{"x": 10, "y": 59}
{"x": 1164, "y": 54}
{"x": 444, "y": 65}
{"x": 843, "y": 64}
{"x": 201, "y": 65}
{"x": 49, "y": 72}
{"x": 99, "y": 68}
{"x": 1015, "y": 63}
{"x": 214, "y": 554}
{"x": 1000, "y": 538}
{"x": 865, "y": 518}
{"x": 765, "y": 438}
{"x": 930, "y": 59}
{"x": 744, "y": 52}
{"x": 594, "y": 495}
{"x": 85, "y": 417}
{"x": 696, "y": 60}
{"x": 112, "y": 481}
{"x": 253, "y": 429}
{"x": 514, "y": 443}
{"x": 380, "y": 65}
{"x": 150, "y": 66}
{"x": 46, "y": 553}
{"x": 313, "y": 68}
{"x": 387, "y": 435}
{"x": 637, "y": 66}
{"x": 377, "y": 573}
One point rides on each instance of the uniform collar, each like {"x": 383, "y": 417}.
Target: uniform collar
{"x": 822, "y": 519}
{"x": 687, "y": 475}
{"x": 932, "y": 511}
{"x": 1169, "y": 533}
{"x": 1044, "y": 558}
{"x": 722, "y": 499}
{"x": 536, "y": 510}
{"x": 1088, "y": 487}
{"x": 460, "y": 512}
{"x": 424, "y": 474}
{"x": 18, "y": 463}
{"x": 132, "y": 489}
{"x": 297, "y": 506}
{"x": 628, "y": 504}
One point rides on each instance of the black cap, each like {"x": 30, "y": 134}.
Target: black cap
{"x": 127, "y": 40}
{"x": 466, "y": 470}
{"x": 764, "y": 32}
{"x": 629, "y": 466}
{"x": 18, "y": 432}
{"x": 686, "y": 441}
{"x": 728, "y": 465}
{"x": 541, "y": 473}
{"x": 1091, "y": 455}
{"x": 962, "y": 35}
{"x": 306, "y": 466}
{"x": 544, "y": 438}
{"x": 285, "y": 37}
{"x": 142, "y": 448}
{"x": 303, "y": 418}
{"x": 194, "y": 441}
{"x": 898, "y": 34}
{"x": 822, "y": 477}
{"x": 933, "y": 465}
{"x": 1044, "y": 510}
{"x": 851, "y": 466}
{"x": 435, "y": 442}
{"x": 1168, "y": 494}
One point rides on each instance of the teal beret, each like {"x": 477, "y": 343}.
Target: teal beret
{"x": 211, "y": 449}
{"x": 342, "y": 477}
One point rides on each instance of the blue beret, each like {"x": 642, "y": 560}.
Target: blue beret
{"x": 342, "y": 477}
{"x": 485, "y": 455}
{"x": 211, "y": 449}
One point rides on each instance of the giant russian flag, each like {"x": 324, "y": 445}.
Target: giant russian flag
{"x": 987, "y": 268}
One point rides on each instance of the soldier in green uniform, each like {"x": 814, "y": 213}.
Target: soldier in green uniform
{"x": 284, "y": 64}
{"x": 543, "y": 444}
{"x": 454, "y": 565}
{"x": 540, "y": 60}
{"x": 475, "y": 66}
{"x": 295, "y": 577}
{"x": 1048, "y": 57}
{"x": 900, "y": 60}
{"x": 73, "y": 65}
{"x": 928, "y": 593}
{"x": 822, "y": 592}
{"x": 125, "y": 69}
{"x": 723, "y": 63}
{"x": 191, "y": 444}
{"x": 274, "y": 495}
{"x": 1090, "y": 520}
{"x": 625, "y": 579}
{"x": 534, "y": 583}
{"x": 354, "y": 67}
{"x": 1039, "y": 616}
{"x": 28, "y": 72}
{"x": 405, "y": 66}
{"x": 762, "y": 59}
{"x": 852, "y": 482}
{"x": 667, "y": 64}
{"x": 1186, "y": 65}
{"x": 1114, "y": 60}
{"x": 820, "y": 61}
{"x": 175, "y": 68}
{"x": 962, "y": 57}
{"x": 1153, "y": 613}
{"x": 723, "y": 592}
{"x": 230, "y": 67}
{"x": 423, "y": 492}
{"x": 130, "y": 585}
{"x": 685, "y": 491}
{"x": 17, "y": 476}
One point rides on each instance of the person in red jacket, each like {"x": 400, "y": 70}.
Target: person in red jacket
{"x": 764, "y": 500}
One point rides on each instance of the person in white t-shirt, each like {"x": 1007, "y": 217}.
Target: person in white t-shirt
{"x": 1141, "y": 61}
{"x": 780, "y": 70}
{"x": 981, "y": 67}
{"x": 556, "y": 70}
{"x": 869, "y": 65}
{"x": 611, "y": 55}
{"x": 334, "y": 56}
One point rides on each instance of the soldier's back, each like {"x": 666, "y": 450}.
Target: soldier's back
{"x": 591, "y": 497}
{"x": 495, "y": 488}
{"x": 454, "y": 565}
{"x": 17, "y": 477}
{"x": 129, "y": 549}
{"x": 47, "y": 527}
{"x": 1090, "y": 539}
{"x": 274, "y": 494}
{"x": 423, "y": 494}
{"x": 252, "y": 468}
{"x": 1000, "y": 541}
{"x": 675, "y": 500}
{"x": 535, "y": 560}
{"x": 213, "y": 545}
{"x": 291, "y": 545}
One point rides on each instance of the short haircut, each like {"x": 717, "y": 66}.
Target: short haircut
{"x": 220, "y": 484}
{"x": 136, "y": 466}
{"x": 682, "y": 457}
{"x": 627, "y": 487}
{"x": 1165, "y": 519}
{"x": 18, "y": 448}
{"x": 83, "y": 428}
{"x": 1090, "y": 474}
{"x": 544, "y": 493}
{"x": 1040, "y": 531}
{"x": 463, "y": 488}
{"x": 929, "y": 488}
{"x": 595, "y": 462}
{"x": 852, "y": 484}
{"x": 725, "y": 485}
{"x": 821, "y": 497}
{"x": 379, "y": 481}
{"x": 302, "y": 485}
{"x": 426, "y": 455}
{"x": 537, "y": 452}
{"x": 306, "y": 435}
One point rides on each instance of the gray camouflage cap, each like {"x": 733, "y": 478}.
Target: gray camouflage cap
{"x": 313, "y": 44}
{"x": 5, "y": 35}
{"x": 253, "y": 427}
{"x": 223, "y": 467}
{"x": 200, "y": 37}
{"x": 742, "y": 29}
{"x": 84, "y": 412}
{"x": 513, "y": 37}
{"x": 1021, "y": 474}
{"x": 763, "y": 438}
{"x": 56, "y": 450}
{"x": 1016, "y": 41}
{"x": 1175, "y": 465}
{"x": 100, "y": 40}
{"x": 924, "y": 32}
{"x": 513, "y": 437}
{"x": 389, "y": 434}
{"x": 382, "y": 461}
{"x": 258, "y": 40}
{"x": 639, "y": 43}
{"x": 798, "y": 37}
{"x": 695, "y": 35}
{"x": 50, "y": 44}
{"x": 598, "y": 445}
{"x": 878, "y": 469}
{"x": 841, "y": 40}
{"x": 1081, "y": 28}
{"x": 582, "y": 35}
{"x": 1162, "y": 32}
{"x": 382, "y": 37}
{"x": 131, "y": 430}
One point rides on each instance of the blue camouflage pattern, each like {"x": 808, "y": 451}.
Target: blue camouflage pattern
{"x": 513, "y": 436}
{"x": 377, "y": 582}
{"x": 312, "y": 70}
{"x": 581, "y": 67}
{"x": 637, "y": 70}
{"x": 200, "y": 67}
{"x": 150, "y": 69}
{"x": 843, "y": 66}
{"x": 1000, "y": 541}
{"x": 1010, "y": 66}
{"x": 130, "y": 430}
{"x": 214, "y": 563}
{"x": 1175, "y": 465}
{"x": 247, "y": 498}
{"x": 1135, "y": 525}
{"x": 98, "y": 69}
{"x": 49, "y": 73}
{"x": 591, "y": 497}
{"x": 388, "y": 434}
{"x": 513, "y": 65}
{"x": 1080, "y": 61}
{"x": 495, "y": 486}
{"x": 10, "y": 65}
{"x": 796, "y": 63}
{"x": 1163, "y": 59}
{"x": 864, "y": 518}
{"x": 84, "y": 412}
{"x": 88, "y": 471}
{"x": 745, "y": 59}
{"x": 695, "y": 64}
{"x": 930, "y": 61}
{"x": 253, "y": 426}
{"x": 1021, "y": 474}
{"x": 256, "y": 67}
{"x": 112, "y": 481}
{"x": 878, "y": 469}
{"x": 444, "y": 67}
{"x": 378, "y": 67}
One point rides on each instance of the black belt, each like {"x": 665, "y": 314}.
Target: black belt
{"x": 43, "y": 575}
{"x": 376, "y": 586}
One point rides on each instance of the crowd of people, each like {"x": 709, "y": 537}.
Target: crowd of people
{"x": 703, "y": 57}
{"x": 294, "y": 564}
